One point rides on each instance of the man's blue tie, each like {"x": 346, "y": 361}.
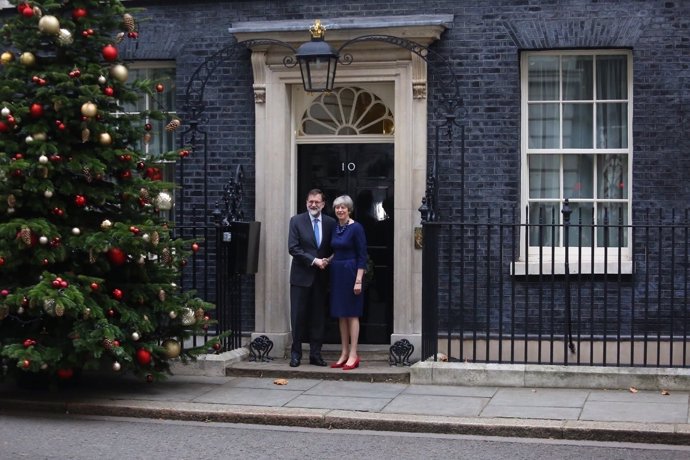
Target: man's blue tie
{"x": 317, "y": 234}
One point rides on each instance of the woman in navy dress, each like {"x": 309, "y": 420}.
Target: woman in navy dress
{"x": 348, "y": 263}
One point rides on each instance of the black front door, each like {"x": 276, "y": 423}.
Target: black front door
{"x": 365, "y": 173}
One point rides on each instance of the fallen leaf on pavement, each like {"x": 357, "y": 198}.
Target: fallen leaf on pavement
{"x": 633, "y": 390}
{"x": 665, "y": 392}
{"x": 280, "y": 382}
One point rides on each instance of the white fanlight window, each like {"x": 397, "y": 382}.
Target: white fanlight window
{"x": 577, "y": 145}
{"x": 350, "y": 111}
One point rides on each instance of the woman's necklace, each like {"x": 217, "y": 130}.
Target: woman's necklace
{"x": 340, "y": 229}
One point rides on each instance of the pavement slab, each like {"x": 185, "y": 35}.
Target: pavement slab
{"x": 436, "y": 405}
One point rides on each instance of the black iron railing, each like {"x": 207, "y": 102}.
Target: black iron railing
{"x": 499, "y": 290}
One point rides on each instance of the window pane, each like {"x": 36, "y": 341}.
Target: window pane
{"x": 611, "y": 222}
{"x": 165, "y": 76}
{"x": 578, "y": 175}
{"x": 612, "y": 126}
{"x": 581, "y": 219}
{"x": 577, "y": 78}
{"x": 612, "y": 77}
{"x": 544, "y": 176}
{"x": 543, "y": 78}
{"x": 544, "y": 130}
{"x": 613, "y": 173}
{"x": 543, "y": 221}
{"x": 577, "y": 126}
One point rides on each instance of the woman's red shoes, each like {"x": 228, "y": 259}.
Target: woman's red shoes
{"x": 350, "y": 367}
{"x": 338, "y": 365}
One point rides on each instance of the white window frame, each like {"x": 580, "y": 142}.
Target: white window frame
{"x": 168, "y": 173}
{"x": 554, "y": 261}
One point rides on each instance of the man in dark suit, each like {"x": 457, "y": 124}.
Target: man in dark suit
{"x": 309, "y": 243}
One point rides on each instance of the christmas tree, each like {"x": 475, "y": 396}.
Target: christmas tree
{"x": 89, "y": 269}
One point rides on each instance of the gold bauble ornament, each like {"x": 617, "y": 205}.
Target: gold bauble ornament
{"x": 105, "y": 139}
{"x": 89, "y": 109}
{"x": 172, "y": 348}
{"x": 6, "y": 57}
{"x": 49, "y": 25}
{"x": 27, "y": 58}
{"x": 41, "y": 137}
{"x": 119, "y": 73}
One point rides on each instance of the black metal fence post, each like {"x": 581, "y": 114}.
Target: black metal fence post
{"x": 566, "y": 211}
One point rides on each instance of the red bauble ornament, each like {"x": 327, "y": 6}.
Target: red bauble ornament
{"x": 148, "y": 126}
{"x": 4, "y": 127}
{"x": 108, "y": 91}
{"x": 160, "y": 88}
{"x": 94, "y": 286}
{"x": 109, "y": 53}
{"x": 117, "y": 256}
{"x": 216, "y": 346}
{"x": 27, "y": 12}
{"x": 2, "y": 261}
{"x": 195, "y": 247}
{"x": 117, "y": 294}
{"x": 143, "y": 357}
{"x": 4, "y": 293}
{"x": 111, "y": 312}
{"x": 26, "y": 363}
{"x": 65, "y": 374}
{"x": 80, "y": 200}
{"x": 78, "y": 13}
{"x": 29, "y": 342}
{"x": 36, "y": 110}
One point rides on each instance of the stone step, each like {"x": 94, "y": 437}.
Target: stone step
{"x": 368, "y": 371}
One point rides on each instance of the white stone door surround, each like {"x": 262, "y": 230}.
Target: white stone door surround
{"x": 276, "y": 162}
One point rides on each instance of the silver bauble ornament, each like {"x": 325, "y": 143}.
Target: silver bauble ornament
{"x": 106, "y": 224}
{"x": 117, "y": 366}
{"x": 135, "y": 336}
{"x": 76, "y": 231}
{"x": 5, "y": 111}
{"x": 48, "y": 194}
{"x": 43, "y": 240}
{"x": 43, "y": 159}
{"x": 102, "y": 80}
{"x": 65, "y": 37}
{"x": 188, "y": 317}
{"x": 164, "y": 201}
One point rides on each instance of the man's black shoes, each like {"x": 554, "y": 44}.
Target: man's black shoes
{"x": 294, "y": 362}
{"x": 316, "y": 361}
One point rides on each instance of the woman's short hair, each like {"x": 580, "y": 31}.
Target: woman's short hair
{"x": 344, "y": 200}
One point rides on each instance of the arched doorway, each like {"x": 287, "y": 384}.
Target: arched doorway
{"x": 345, "y": 145}
{"x": 277, "y": 144}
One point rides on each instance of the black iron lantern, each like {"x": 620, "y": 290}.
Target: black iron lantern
{"x": 317, "y": 61}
